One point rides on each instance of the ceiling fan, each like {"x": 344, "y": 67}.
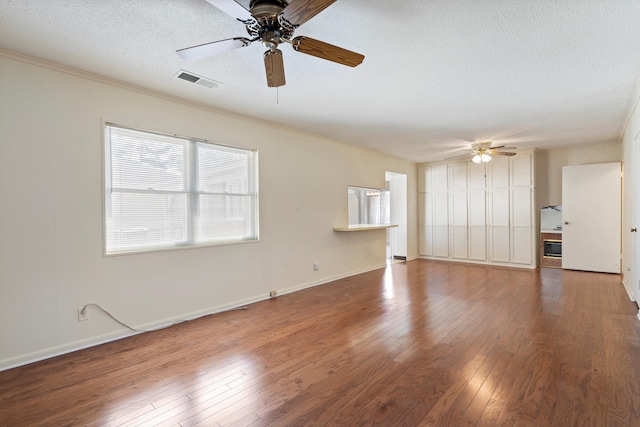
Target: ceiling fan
{"x": 273, "y": 22}
{"x": 481, "y": 152}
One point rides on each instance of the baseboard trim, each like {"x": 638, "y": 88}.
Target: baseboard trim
{"x": 475, "y": 262}
{"x": 56, "y": 351}
{"x": 328, "y": 280}
{"x": 71, "y": 347}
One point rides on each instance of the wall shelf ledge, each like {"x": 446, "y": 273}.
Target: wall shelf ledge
{"x": 364, "y": 227}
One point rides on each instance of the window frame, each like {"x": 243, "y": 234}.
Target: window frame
{"x": 190, "y": 189}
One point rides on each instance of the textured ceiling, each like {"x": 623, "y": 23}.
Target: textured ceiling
{"x": 437, "y": 75}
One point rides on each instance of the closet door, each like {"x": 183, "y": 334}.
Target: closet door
{"x": 458, "y": 211}
{"x": 522, "y": 209}
{"x": 477, "y": 212}
{"x": 522, "y": 225}
{"x": 499, "y": 210}
{"x": 440, "y": 211}
{"x": 425, "y": 211}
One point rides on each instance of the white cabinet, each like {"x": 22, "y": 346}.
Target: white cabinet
{"x": 479, "y": 213}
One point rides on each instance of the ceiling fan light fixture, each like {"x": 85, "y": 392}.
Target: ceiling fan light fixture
{"x": 481, "y": 158}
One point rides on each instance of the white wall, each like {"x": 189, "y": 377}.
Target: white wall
{"x": 51, "y": 203}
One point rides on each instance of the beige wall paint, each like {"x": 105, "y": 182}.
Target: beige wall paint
{"x": 549, "y": 165}
{"x": 51, "y": 243}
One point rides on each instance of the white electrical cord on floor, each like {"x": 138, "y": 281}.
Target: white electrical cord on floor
{"x": 84, "y": 309}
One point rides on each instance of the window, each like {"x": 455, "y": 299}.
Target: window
{"x": 164, "y": 192}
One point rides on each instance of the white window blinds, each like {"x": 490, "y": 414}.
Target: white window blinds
{"x": 164, "y": 191}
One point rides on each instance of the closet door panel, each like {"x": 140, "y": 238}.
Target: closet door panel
{"x": 459, "y": 208}
{"x": 477, "y": 208}
{"x": 499, "y": 224}
{"x": 500, "y": 244}
{"x": 458, "y": 176}
{"x": 424, "y": 179}
{"x": 521, "y": 244}
{"x": 440, "y": 209}
{"x": 478, "y": 243}
{"x": 498, "y": 172}
{"x": 459, "y": 242}
{"x": 521, "y": 207}
{"x": 477, "y": 225}
{"x": 441, "y": 241}
{"x": 476, "y": 176}
{"x": 439, "y": 175}
{"x": 499, "y": 208}
{"x": 426, "y": 240}
{"x": 425, "y": 209}
{"x": 522, "y": 170}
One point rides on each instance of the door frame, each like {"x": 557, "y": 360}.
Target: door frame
{"x": 397, "y": 236}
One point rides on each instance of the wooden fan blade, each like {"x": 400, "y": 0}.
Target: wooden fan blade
{"x": 234, "y": 9}
{"x": 206, "y": 50}
{"x": 327, "y": 51}
{"x": 501, "y": 153}
{"x": 300, "y": 11}
{"x": 274, "y": 66}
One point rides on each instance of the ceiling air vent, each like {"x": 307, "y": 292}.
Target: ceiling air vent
{"x": 199, "y": 80}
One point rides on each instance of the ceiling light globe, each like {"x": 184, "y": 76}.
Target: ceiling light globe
{"x": 485, "y": 158}
{"x": 477, "y": 159}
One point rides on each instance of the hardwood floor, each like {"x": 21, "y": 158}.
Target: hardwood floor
{"x": 418, "y": 343}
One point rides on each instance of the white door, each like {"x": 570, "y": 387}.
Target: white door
{"x": 591, "y": 215}
{"x": 632, "y": 218}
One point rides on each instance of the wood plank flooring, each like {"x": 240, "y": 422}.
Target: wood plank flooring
{"x": 422, "y": 343}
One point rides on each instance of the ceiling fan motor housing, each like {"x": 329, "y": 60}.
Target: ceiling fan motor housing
{"x": 266, "y": 8}
{"x": 269, "y": 27}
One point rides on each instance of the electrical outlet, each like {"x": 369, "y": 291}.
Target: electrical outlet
{"x": 83, "y": 314}
{"x": 316, "y": 266}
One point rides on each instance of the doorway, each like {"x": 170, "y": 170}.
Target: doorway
{"x": 396, "y": 184}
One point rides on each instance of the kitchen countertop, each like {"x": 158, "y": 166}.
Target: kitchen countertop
{"x": 550, "y": 231}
